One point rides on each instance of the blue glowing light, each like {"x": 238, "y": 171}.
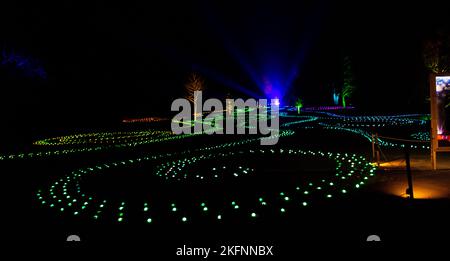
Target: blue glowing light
{"x": 270, "y": 52}
{"x": 335, "y": 97}
{"x": 276, "y": 101}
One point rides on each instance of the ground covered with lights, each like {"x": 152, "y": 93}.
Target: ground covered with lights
{"x": 140, "y": 178}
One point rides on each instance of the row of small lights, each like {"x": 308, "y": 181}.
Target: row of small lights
{"x": 305, "y": 119}
{"x": 374, "y": 121}
{"x": 368, "y": 136}
{"x": 102, "y": 138}
{"x": 110, "y": 140}
{"x": 378, "y": 118}
{"x": 61, "y": 152}
{"x": 423, "y": 136}
{"x": 58, "y": 195}
{"x": 174, "y": 169}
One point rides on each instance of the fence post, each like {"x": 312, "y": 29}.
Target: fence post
{"x": 378, "y": 150}
{"x": 373, "y": 147}
{"x": 378, "y": 158}
{"x": 409, "y": 190}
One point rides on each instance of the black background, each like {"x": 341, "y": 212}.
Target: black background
{"x": 105, "y": 61}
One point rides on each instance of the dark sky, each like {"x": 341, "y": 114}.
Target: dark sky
{"x": 107, "y": 61}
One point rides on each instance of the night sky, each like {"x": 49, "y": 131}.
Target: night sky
{"x": 105, "y": 61}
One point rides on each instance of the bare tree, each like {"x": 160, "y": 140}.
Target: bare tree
{"x": 195, "y": 83}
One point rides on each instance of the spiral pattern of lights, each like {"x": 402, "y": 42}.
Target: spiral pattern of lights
{"x": 213, "y": 166}
{"x": 66, "y": 195}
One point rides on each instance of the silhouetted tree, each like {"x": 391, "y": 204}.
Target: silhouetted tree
{"x": 195, "y": 83}
{"x": 436, "y": 53}
{"x": 348, "y": 87}
{"x": 299, "y": 105}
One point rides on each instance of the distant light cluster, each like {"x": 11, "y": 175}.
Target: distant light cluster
{"x": 327, "y": 108}
{"x": 144, "y": 120}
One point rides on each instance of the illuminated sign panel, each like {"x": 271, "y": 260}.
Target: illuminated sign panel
{"x": 440, "y": 114}
{"x": 442, "y": 105}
